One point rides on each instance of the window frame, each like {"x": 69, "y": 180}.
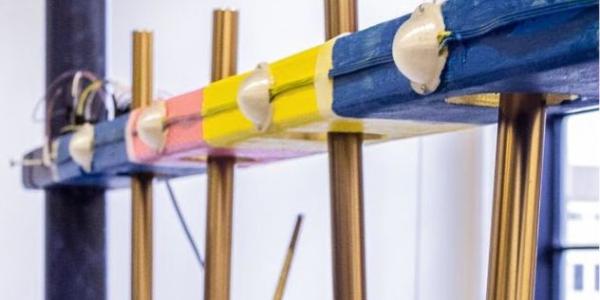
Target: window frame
{"x": 551, "y": 250}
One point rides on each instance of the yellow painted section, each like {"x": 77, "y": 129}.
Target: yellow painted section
{"x": 221, "y": 118}
{"x": 302, "y": 97}
{"x": 297, "y": 105}
{"x": 220, "y": 95}
{"x": 294, "y": 101}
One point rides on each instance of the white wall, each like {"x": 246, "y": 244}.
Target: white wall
{"x": 21, "y": 211}
{"x": 427, "y": 200}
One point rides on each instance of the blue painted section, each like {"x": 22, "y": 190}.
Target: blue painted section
{"x": 110, "y": 146}
{"x": 111, "y": 166}
{"x": 555, "y": 53}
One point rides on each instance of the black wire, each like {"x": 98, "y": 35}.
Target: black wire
{"x": 576, "y": 247}
{"x": 184, "y": 224}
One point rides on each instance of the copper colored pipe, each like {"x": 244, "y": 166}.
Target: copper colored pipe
{"x": 220, "y": 170}
{"x": 141, "y": 184}
{"x": 345, "y": 169}
{"x": 513, "y": 245}
{"x": 340, "y": 17}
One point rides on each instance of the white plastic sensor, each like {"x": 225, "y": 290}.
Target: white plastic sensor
{"x": 254, "y": 97}
{"x": 150, "y": 126}
{"x": 81, "y": 146}
{"x": 416, "y": 48}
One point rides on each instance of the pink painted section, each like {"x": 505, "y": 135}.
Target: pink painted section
{"x": 184, "y": 112}
{"x": 184, "y": 134}
{"x": 184, "y": 130}
{"x": 185, "y": 146}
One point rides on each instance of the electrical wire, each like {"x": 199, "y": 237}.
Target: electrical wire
{"x": 75, "y": 87}
{"x": 85, "y": 98}
{"x": 183, "y": 223}
{"x": 81, "y": 103}
{"x": 83, "y": 108}
{"x": 50, "y": 102}
{"x": 54, "y": 85}
{"x": 280, "y": 89}
{"x": 111, "y": 110}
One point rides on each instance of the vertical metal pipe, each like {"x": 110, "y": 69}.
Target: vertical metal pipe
{"x": 512, "y": 261}
{"x": 75, "y": 239}
{"x": 220, "y": 170}
{"x": 224, "y": 43}
{"x": 340, "y": 17}
{"x": 218, "y": 228}
{"x": 345, "y": 169}
{"x": 141, "y": 184}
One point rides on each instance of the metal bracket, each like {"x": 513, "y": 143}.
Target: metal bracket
{"x": 150, "y": 126}
{"x": 416, "y": 48}
{"x": 81, "y": 146}
{"x": 254, "y": 97}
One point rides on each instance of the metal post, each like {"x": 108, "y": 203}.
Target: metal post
{"x": 220, "y": 170}
{"x": 75, "y": 216}
{"x": 345, "y": 169}
{"x": 340, "y": 17}
{"x": 347, "y": 216}
{"x": 521, "y": 123}
{"x": 141, "y": 184}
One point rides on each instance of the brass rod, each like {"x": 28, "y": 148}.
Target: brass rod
{"x": 347, "y": 216}
{"x": 345, "y": 171}
{"x": 224, "y": 44}
{"x": 340, "y": 17}
{"x": 220, "y": 170}
{"x": 513, "y": 245}
{"x": 283, "y": 276}
{"x": 141, "y": 184}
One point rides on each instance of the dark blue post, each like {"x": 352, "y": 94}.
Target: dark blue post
{"x": 547, "y": 284}
{"x": 75, "y": 216}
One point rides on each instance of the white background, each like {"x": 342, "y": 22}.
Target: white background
{"x": 427, "y": 201}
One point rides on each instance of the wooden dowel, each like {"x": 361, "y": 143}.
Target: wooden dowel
{"x": 287, "y": 263}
